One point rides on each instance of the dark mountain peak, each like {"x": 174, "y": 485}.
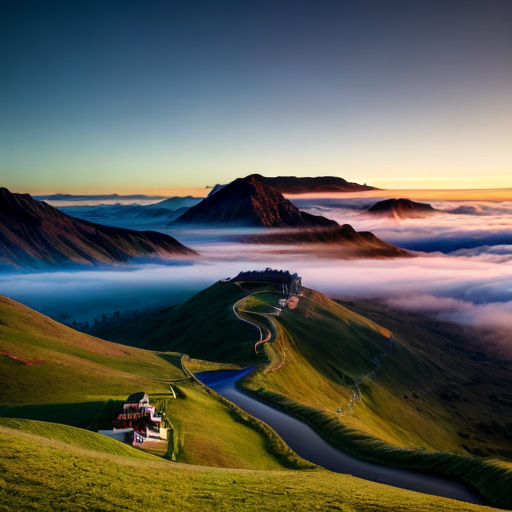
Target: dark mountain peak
{"x": 8, "y": 199}
{"x": 33, "y": 233}
{"x": 401, "y": 208}
{"x": 250, "y": 202}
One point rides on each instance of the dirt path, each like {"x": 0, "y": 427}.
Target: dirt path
{"x": 264, "y": 338}
{"x": 356, "y": 391}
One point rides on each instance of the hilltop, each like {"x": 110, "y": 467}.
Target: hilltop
{"x": 34, "y": 234}
{"x": 401, "y": 209}
{"x": 203, "y": 327}
{"x": 250, "y": 202}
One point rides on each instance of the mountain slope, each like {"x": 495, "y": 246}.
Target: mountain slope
{"x": 33, "y": 233}
{"x": 203, "y": 327}
{"x": 249, "y": 202}
{"x": 175, "y": 203}
{"x": 401, "y": 209}
{"x": 74, "y": 376}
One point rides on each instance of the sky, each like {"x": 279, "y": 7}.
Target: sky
{"x": 158, "y": 97}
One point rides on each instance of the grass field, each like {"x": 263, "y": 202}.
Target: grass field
{"x": 86, "y": 474}
{"x": 424, "y": 407}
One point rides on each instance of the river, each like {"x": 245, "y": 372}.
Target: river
{"x": 309, "y": 445}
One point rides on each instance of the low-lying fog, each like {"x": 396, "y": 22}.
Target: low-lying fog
{"x": 469, "y": 282}
{"x": 474, "y": 289}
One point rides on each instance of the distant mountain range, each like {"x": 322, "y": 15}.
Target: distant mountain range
{"x": 401, "y": 208}
{"x": 104, "y": 197}
{"x": 250, "y": 202}
{"x": 175, "y": 203}
{"x": 297, "y": 185}
{"x": 161, "y": 212}
{"x": 33, "y": 233}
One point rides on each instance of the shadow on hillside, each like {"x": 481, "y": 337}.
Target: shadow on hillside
{"x": 88, "y": 415}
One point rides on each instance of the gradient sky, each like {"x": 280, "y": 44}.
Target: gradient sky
{"x": 132, "y": 96}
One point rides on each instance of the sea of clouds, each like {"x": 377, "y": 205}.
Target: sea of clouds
{"x": 462, "y": 272}
{"x": 457, "y": 225}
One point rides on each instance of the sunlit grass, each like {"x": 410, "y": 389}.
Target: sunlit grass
{"x": 42, "y": 468}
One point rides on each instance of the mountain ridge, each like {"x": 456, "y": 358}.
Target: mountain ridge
{"x": 35, "y": 234}
{"x": 307, "y": 185}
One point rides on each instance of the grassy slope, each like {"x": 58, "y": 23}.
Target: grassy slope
{"x": 473, "y": 387}
{"x": 311, "y": 384}
{"x": 84, "y": 380}
{"x": 82, "y": 372}
{"x": 203, "y": 326}
{"x": 86, "y": 475}
{"x": 320, "y": 367}
{"x": 328, "y": 346}
{"x": 324, "y": 343}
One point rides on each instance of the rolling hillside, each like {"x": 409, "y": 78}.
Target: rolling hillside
{"x": 82, "y": 381}
{"x": 203, "y": 327}
{"x": 325, "y": 357}
{"x": 415, "y": 400}
{"x": 424, "y": 383}
{"x": 408, "y": 399}
{"x": 88, "y": 473}
{"x": 427, "y": 389}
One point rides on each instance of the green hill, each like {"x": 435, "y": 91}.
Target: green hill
{"x": 420, "y": 398}
{"x": 411, "y": 400}
{"x": 51, "y": 467}
{"x": 431, "y": 390}
{"x": 82, "y": 381}
{"x": 203, "y": 327}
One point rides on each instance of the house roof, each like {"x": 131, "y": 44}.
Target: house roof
{"x": 135, "y": 398}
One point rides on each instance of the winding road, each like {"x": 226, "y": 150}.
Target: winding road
{"x": 310, "y": 445}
